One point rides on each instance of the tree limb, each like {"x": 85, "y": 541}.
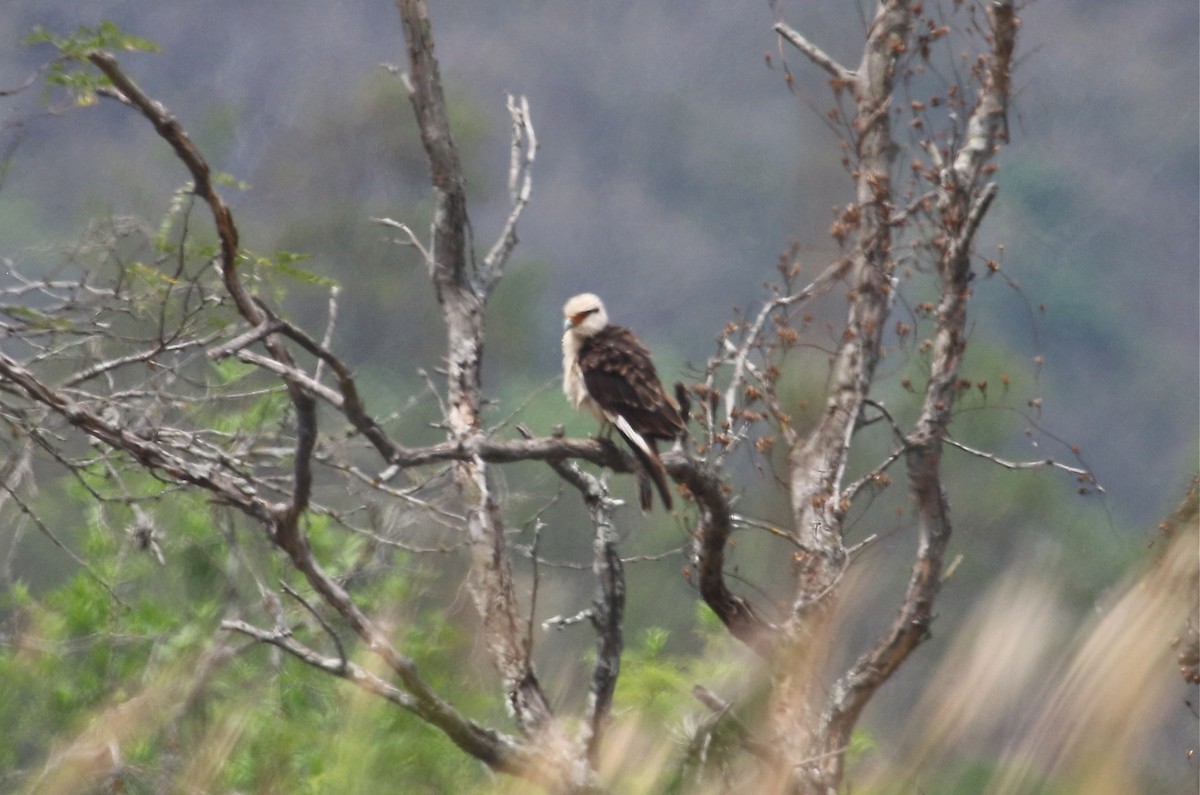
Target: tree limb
{"x": 923, "y": 448}
{"x": 283, "y": 521}
{"x": 813, "y": 52}
{"x": 714, "y": 525}
{"x": 520, "y": 186}
{"x": 462, "y": 296}
{"x": 496, "y": 750}
{"x": 608, "y": 605}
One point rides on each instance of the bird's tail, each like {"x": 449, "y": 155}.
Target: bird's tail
{"x": 646, "y": 454}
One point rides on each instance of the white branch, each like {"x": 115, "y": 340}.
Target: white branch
{"x": 562, "y": 622}
{"x": 814, "y": 53}
{"x": 520, "y": 187}
{"x": 413, "y": 240}
{"x": 1043, "y": 463}
{"x": 293, "y": 374}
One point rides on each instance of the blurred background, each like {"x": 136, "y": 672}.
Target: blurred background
{"x": 676, "y": 165}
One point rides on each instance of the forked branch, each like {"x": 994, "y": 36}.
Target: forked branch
{"x": 923, "y": 448}
{"x": 462, "y": 295}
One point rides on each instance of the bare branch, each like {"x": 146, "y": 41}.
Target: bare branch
{"x": 285, "y": 521}
{"x": 965, "y": 238}
{"x": 722, "y": 713}
{"x": 1042, "y": 463}
{"x": 230, "y": 489}
{"x": 520, "y": 185}
{"x": 168, "y": 127}
{"x": 608, "y": 605}
{"x": 778, "y": 532}
{"x": 851, "y": 491}
{"x": 714, "y": 525}
{"x": 923, "y": 447}
{"x": 562, "y": 622}
{"x": 817, "y": 463}
{"x": 337, "y": 642}
{"x": 48, "y": 533}
{"x": 245, "y": 339}
{"x": 331, "y": 321}
{"x": 490, "y": 747}
{"x": 349, "y": 403}
{"x": 8, "y": 92}
{"x": 813, "y": 52}
{"x": 462, "y": 297}
{"x": 825, "y": 281}
{"x": 293, "y": 374}
{"x": 450, "y": 248}
{"x": 413, "y": 240}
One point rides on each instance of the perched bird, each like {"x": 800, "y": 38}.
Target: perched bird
{"x": 607, "y": 370}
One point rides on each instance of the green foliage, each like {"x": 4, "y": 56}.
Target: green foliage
{"x": 136, "y": 647}
{"x": 286, "y": 263}
{"x": 35, "y": 320}
{"x": 653, "y": 682}
{"x": 248, "y": 720}
{"x": 106, "y": 36}
{"x": 82, "y": 83}
{"x": 862, "y": 744}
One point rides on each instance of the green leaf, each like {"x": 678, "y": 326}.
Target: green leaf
{"x": 71, "y": 71}
{"x": 228, "y": 180}
{"x": 107, "y": 36}
{"x": 285, "y": 264}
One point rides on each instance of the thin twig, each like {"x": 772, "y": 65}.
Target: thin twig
{"x": 46, "y": 531}
{"x": 337, "y": 642}
{"x": 520, "y": 185}
{"x": 1020, "y": 465}
{"x": 330, "y": 323}
{"x": 823, "y": 282}
{"x": 411, "y": 236}
{"x": 245, "y": 339}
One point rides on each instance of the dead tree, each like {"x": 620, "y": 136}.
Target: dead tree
{"x": 81, "y": 361}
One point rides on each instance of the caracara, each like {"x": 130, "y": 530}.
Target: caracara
{"x": 608, "y": 371}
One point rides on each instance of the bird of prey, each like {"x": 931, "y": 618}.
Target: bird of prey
{"x": 608, "y": 371}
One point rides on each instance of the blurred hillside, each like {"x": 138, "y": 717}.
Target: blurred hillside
{"x": 675, "y": 166}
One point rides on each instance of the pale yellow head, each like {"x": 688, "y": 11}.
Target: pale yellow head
{"x": 584, "y": 315}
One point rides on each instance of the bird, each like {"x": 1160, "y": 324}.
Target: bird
{"x": 608, "y": 371}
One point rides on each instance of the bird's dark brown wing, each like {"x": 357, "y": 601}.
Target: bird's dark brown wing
{"x": 621, "y": 379}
